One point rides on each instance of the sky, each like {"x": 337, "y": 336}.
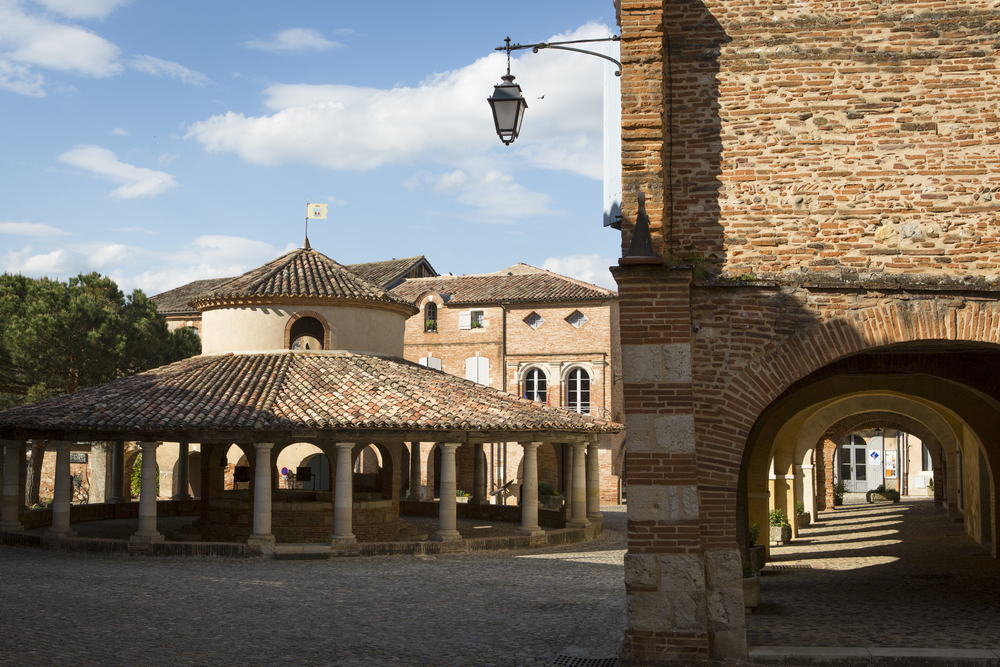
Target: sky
{"x": 164, "y": 142}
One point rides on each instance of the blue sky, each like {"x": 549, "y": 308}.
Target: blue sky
{"x": 163, "y": 142}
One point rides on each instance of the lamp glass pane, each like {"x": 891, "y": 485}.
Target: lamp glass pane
{"x": 506, "y": 114}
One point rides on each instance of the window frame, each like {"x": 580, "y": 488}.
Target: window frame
{"x": 576, "y": 374}
{"x": 534, "y": 374}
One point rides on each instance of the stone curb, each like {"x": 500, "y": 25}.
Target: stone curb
{"x": 795, "y": 656}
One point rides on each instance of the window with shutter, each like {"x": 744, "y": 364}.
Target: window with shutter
{"x": 465, "y": 319}
{"x": 477, "y": 369}
{"x": 430, "y": 362}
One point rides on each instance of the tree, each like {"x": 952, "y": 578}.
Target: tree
{"x": 58, "y": 337}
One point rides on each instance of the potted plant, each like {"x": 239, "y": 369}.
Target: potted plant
{"x": 461, "y": 496}
{"x": 431, "y": 326}
{"x": 880, "y": 493}
{"x": 751, "y": 587}
{"x": 802, "y": 517}
{"x": 839, "y": 489}
{"x": 781, "y": 530}
{"x": 548, "y": 497}
{"x": 758, "y": 553}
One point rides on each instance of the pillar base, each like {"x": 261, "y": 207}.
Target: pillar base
{"x": 577, "y": 523}
{"x": 11, "y": 526}
{"x": 263, "y": 540}
{"x": 530, "y": 531}
{"x": 595, "y": 518}
{"x": 146, "y": 537}
{"x": 446, "y": 536}
{"x": 179, "y": 496}
{"x": 347, "y": 539}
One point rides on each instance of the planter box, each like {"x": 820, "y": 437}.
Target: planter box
{"x": 551, "y": 502}
{"x": 751, "y": 592}
{"x": 884, "y": 496}
{"x": 462, "y": 499}
{"x": 781, "y": 534}
{"x": 837, "y": 502}
{"x": 802, "y": 520}
{"x": 758, "y": 557}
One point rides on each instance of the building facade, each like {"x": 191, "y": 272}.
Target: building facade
{"x": 808, "y": 251}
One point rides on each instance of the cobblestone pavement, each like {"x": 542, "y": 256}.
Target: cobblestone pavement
{"x": 484, "y": 609}
{"x": 882, "y": 575}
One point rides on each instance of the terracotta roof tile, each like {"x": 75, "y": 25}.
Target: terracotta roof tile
{"x": 175, "y": 301}
{"x": 538, "y": 285}
{"x": 387, "y": 272}
{"x": 292, "y": 390}
{"x": 302, "y": 273}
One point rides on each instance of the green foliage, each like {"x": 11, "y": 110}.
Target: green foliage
{"x": 546, "y": 489}
{"x": 930, "y": 483}
{"x": 460, "y": 493}
{"x": 777, "y": 517}
{"x": 839, "y": 489}
{"x": 754, "y": 534}
{"x": 135, "y": 483}
{"x": 800, "y": 508}
{"x": 57, "y": 337}
{"x": 747, "y": 570}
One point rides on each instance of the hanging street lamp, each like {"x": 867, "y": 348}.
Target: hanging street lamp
{"x": 508, "y": 104}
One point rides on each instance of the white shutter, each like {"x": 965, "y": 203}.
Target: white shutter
{"x": 430, "y": 362}
{"x": 477, "y": 369}
{"x": 465, "y": 319}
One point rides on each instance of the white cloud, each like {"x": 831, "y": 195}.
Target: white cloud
{"x": 294, "y": 39}
{"x": 30, "y": 229}
{"x": 34, "y": 40}
{"x": 109, "y": 256}
{"x": 136, "y": 181}
{"x": 158, "y": 67}
{"x": 167, "y": 158}
{"x": 121, "y": 132}
{"x": 19, "y": 79}
{"x": 445, "y": 118}
{"x": 336, "y": 200}
{"x": 589, "y": 268}
{"x": 83, "y": 9}
{"x": 52, "y": 264}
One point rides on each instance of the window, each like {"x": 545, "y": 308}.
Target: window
{"x": 477, "y": 369}
{"x": 430, "y": 317}
{"x": 577, "y": 319}
{"x": 928, "y": 464}
{"x": 306, "y": 334}
{"x": 478, "y": 319}
{"x": 471, "y": 319}
{"x": 535, "y": 386}
{"x": 578, "y": 391}
{"x": 430, "y": 362}
{"x": 534, "y": 320}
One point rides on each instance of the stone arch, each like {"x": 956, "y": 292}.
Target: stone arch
{"x": 307, "y": 313}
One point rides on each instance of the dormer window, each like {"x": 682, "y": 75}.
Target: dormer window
{"x": 430, "y": 317}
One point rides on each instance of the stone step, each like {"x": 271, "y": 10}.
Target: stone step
{"x": 846, "y": 656}
{"x": 303, "y": 551}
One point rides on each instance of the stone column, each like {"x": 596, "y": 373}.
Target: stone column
{"x": 809, "y": 491}
{"x": 343, "y": 509}
{"x": 415, "y": 482}
{"x": 182, "y": 471}
{"x": 12, "y": 497}
{"x": 448, "y": 506}
{"x": 62, "y": 493}
{"x": 479, "y": 496}
{"x": 593, "y": 481}
{"x": 22, "y": 474}
{"x": 117, "y": 472}
{"x": 261, "y": 535}
{"x": 579, "y": 516}
{"x": 567, "y": 477}
{"x": 529, "y": 490}
{"x": 147, "y": 496}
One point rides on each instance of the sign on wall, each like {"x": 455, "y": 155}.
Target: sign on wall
{"x": 890, "y": 463}
{"x": 77, "y": 457}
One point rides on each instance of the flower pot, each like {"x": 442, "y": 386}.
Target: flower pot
{"x": 781, "y": 534}
{"x": 802, "y": 520}
{"x": 837, "y": 502}
{"x": 751, "y": 592}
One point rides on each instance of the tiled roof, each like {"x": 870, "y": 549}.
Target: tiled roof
{"x": 388, "y": 272}
{"x": 514, "y": 284}
{"x": 175, "y": 301}
{"x": 291, "y": 390}
{"x": 302, "y": 273}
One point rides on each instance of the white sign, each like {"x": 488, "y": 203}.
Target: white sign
{"x": 890, "y": 464}
{"x": 874, "y": 458}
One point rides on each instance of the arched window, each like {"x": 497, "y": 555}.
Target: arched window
{"x": 535, "y": 384}
{"x": 430, "y": 317}
{"x": 578, "y": 391}
{"x": 306, "y": 334}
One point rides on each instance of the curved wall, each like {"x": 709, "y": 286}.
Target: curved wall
{"x": 262, "y": 327}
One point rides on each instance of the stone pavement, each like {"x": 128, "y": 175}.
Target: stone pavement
{"x": 884, "y": 575}
{"x": 483, "y": 609}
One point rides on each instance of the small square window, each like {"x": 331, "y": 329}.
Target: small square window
{"x": 577, "y": 319}
{"x": 478, "y": 319}
{"x": 534, "y": 320}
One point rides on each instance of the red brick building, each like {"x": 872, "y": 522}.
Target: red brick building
{"x": 817, "y": 255}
